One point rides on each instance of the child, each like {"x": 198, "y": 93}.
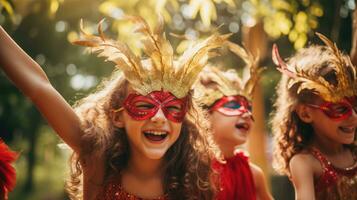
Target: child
{"x": 227, "y": 98}
{"x": 7, "y": 172}
{"x": 315, "y": 122}
{"x": 138, "y": 136}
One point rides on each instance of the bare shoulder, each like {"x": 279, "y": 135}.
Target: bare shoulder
{"x": 303, "y": 169}
{"x": 305, "y": 162}
{"x": 256, "y": 171}
{"x": 301, "y": 158}
{"x": 301, "y": 161}
{"x": 258, "y": 175}
{"x": 261, "y": 187}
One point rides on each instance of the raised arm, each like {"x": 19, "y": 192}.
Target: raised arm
{"x": 28, "y": 76}
{"x": 302, "y": 177}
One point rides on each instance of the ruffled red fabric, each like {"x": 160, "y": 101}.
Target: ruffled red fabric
{"x": 7, "y": 171}
{"x": 236, "y": 178}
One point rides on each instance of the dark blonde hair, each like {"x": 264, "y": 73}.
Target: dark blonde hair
{"x": 187, "y": 171}
{"x": 210, "y": 83}
{"x": 291, "y": 134}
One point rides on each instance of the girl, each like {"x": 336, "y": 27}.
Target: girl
{"x": 138, "y": 136}
{"x": 227, "y": 98}
{"x": 315, "y": 122}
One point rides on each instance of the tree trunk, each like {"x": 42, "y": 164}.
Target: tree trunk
{"x": 31, "y": 157}
{"x": 354, "y": 37}
{"x": 255, "y": 40}
{"x": 336, "y": 23}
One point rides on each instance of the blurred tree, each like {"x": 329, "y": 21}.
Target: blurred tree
{"x": 295, "y": 18}
{"x": 43, "y": 29}
{"x": 354, "y": 38}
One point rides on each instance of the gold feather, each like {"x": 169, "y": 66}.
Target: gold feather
{"x": 160, "y": 71}
{"x": 228, "y": 82}
{"x": 251, "y": 71}
{"x": 346, "y": 84}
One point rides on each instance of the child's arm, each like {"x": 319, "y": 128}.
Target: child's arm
{"x": 302, "y": 177}
{"x": 28, "y": 76}
{"x": 260, "y": 183}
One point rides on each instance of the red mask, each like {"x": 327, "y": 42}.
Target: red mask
{"x": 232, "y": 105}
{"x": 141, "y": 107}
{"x": 338, "y": 111}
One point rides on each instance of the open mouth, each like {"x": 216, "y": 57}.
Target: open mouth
{"x": 243, "y": 126}
{"x": 348, "y": 129}
{"x": 156, "y": 136}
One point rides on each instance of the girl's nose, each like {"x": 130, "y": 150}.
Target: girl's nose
{"x": 247, "y": 115}
{"x": 354, "y": 112}
{"x": 159, "y": 117}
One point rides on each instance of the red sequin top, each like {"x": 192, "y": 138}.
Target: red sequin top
{"x": 335, "y": 183}
{"x": 236, "y": 178}
{"x": 114, "y": 191}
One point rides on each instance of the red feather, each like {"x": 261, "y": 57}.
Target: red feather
{"x": 7, "y": 171}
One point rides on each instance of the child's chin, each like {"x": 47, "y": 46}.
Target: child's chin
{"x": 242, "y": 135}
{"x": 241, "y": 141}
{"x": 349, "y": 142}
{"x": 156, "y": 154}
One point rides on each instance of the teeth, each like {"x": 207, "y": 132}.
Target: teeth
{"x": 245, "y": 126}
{"x": 156, "y": 132}
{"x": 348, "y": 129}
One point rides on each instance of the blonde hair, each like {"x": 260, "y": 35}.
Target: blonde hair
{"x": 187, "y": 171}
{"x": 291, "y": 134}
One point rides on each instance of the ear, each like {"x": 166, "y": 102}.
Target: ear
{"x": 304, "y": 113}
{"x": 117, "y": 118}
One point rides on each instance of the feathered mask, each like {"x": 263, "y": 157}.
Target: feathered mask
{"x": 345, "y": 74}
{"x": 161, "y": 71}
{"x": 7, "y": 172}
{"x": 228, "y": 83}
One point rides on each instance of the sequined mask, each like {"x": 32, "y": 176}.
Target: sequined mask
{"x": 338, "y": 111}
{"x": 232, "y": 105}
{"x": 141, "y": 107}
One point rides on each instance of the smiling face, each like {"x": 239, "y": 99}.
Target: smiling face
{"x": 342, "y": 132}
{"x": 336, "y": 122}
{"x": 152, "y": 122}
{"x": 231, "y": 122}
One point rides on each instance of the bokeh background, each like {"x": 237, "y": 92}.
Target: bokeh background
{"x": 44, "y": 29}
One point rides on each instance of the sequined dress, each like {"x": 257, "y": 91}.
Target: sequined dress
{"x": 236, "y": 178}
{"x": 114, "y": 191}
{"x": 335, "y": 183}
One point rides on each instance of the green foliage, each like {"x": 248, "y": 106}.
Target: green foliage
{"x": 50, "y": 170}
{"x": 5, "y": 4}
{"x": 295, "y": 19}
{"x": 44, "y": 28}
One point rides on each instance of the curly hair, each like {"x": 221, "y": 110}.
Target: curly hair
{"x": 291, "y": 134}
{"x": 187, "y": 171}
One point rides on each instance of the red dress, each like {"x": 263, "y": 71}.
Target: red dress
{"x": 237, "y": 181}
{"x": 114, "y": 191}
{"x": 335, "y": 183}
